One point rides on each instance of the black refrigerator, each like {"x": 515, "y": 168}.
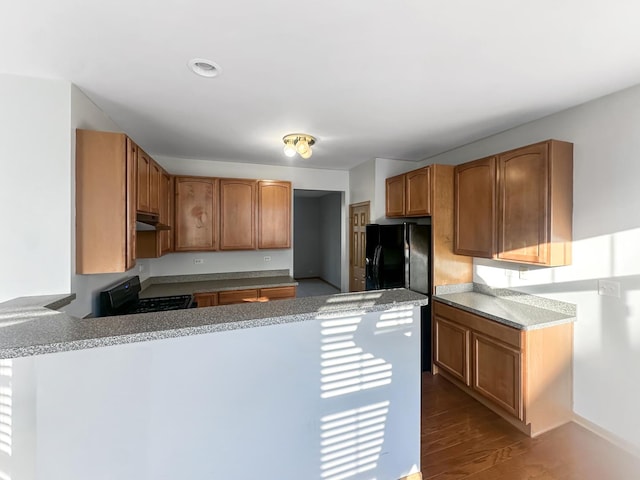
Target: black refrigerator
{"x": 398, "y": 256}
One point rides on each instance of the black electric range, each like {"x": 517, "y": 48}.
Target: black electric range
{"x": 123, "y": 299}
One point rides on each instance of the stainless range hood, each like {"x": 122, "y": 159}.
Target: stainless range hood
{"x": 148, "y": 221}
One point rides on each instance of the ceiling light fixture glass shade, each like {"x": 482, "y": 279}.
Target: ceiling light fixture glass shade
{"x": 299, "y": 143}
{"x": 289, "y": 148}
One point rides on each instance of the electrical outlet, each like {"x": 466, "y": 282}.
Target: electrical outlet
{"x": 523, "y": 273}
{"x": 140, "y": 268}
{"x": 198, "y": 261}
{"x": 267, "y": 259}
{"x": 609, "y": 288}
{"x": 508, "y": 272}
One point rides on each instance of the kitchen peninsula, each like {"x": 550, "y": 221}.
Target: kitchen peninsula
{"x": 191, "y": 393}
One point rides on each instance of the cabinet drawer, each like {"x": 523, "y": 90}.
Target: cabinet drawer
{"x": 237, "y": 296}
{"x": 509, "y": 335}
{"x": 275, "y": 293}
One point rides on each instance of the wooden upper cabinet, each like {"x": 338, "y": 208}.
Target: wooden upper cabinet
{"x": 535, "y": 204}
{"x": 166, "y": 212}
{"x": 143, "y": 176}
{"x": 196, "y": 214}
{"x": 148, "y": 183}
{"x": 395, "y": 196}
{"x": 475, "y": 208}
{"x": 155, "y": 174}
{"x": 237, "y": 214}
{"x": 417, "y": 195}
{"x": 274, "y": 214}
{"x": 105, "y": 202}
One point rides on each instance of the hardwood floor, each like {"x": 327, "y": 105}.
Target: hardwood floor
{"x": 463, "y": 439}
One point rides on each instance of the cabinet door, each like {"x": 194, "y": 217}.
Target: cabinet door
{"x": 154, "y": 187}
{"x": 451, "y": 344}
{"x": 206, "y": 299}
{"x": 131, "y": 195}
{"x": 105, "y": 176}
{"x": 237, "y": 214}
{"x": 418, "y": 194}
{"x": 196, "y": 215}
{"x": 274, "y": 214}
{"x": 237, "y": 296}
{"x": 394, "y": 198}
{"x": 497, "y": 373}
{"x": 166, "y": 212}
{"x": 275, "y": 293}
{"x": 143, "y": 175}
{"x": 523, "y": 182}
{"x": 475, "y": 208}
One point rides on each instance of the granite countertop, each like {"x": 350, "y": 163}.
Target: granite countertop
{"x": 193, "y": 284}
{"x": 511, "y": 308}
{"x": 30, "y": 328}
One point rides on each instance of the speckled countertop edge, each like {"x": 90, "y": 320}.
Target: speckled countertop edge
{"x": 35, "y": 330}
{"x": 513, "y": 314}
{"x": 202, "y": 284}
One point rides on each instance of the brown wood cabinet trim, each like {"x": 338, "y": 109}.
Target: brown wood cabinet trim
{"x": 509, "y": 335}
{"x": 277, "y": 293}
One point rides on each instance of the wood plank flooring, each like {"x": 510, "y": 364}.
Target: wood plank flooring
{"x": 463, "y": 439}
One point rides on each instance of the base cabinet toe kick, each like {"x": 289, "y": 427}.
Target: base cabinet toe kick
{"x": 523, "y": 375}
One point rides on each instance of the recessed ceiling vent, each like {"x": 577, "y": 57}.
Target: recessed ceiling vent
{"x": 204, "y": 67}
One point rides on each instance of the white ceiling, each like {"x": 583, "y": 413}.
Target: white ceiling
{"x": 401, "y": 79}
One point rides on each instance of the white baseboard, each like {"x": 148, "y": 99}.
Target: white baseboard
{"x": 607, "y": 435}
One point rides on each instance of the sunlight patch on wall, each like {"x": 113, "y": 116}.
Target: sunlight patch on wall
{"x": 351, "y": 441}
{"x": 6, "y": 409}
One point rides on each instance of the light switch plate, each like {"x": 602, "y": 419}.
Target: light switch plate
{"x": 609, "y": 288}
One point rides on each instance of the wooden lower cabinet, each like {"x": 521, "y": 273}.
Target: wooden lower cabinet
{"x": 523, "y": 375}
{"x": 230, "y": 297}
{"x": 278, "y": 293}
{"x": 497, "y": 373}
{"x": 206, "y": 299}
{"x": 452, "y": 348}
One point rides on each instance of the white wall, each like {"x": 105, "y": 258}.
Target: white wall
{"x": 165, "y": 409}
{"x": 86, "y": 115}
{"x": 35, "y": 190}
{"x": 307, "y": 242}
{"x": 331, "y": 232}
{"x": 301, "y": 178}
{"x": 606, "y": 232}
{"x": 362, "y": 183}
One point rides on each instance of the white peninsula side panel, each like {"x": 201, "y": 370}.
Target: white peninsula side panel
{"x": 333, "y": 398}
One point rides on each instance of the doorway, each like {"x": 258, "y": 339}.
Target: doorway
{"x": 358, "y": 219}
{"x": 317, "y": 240}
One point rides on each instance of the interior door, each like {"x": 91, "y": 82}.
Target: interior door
{"x": 359, "y": 215}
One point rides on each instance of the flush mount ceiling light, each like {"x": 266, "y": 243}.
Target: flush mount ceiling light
{"x": 204, "y": 67}
{"x": 299, "y": 143}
